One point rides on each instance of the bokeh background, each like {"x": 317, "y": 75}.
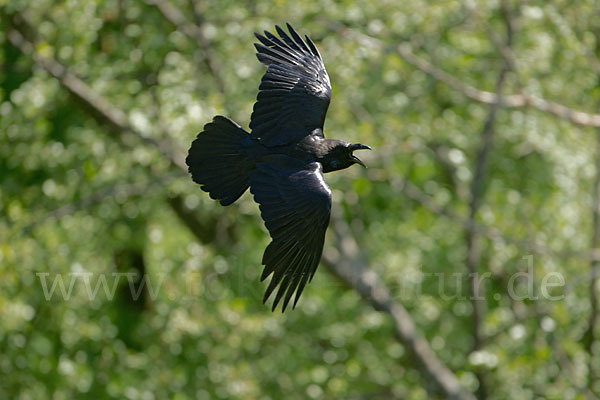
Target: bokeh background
{"x": 482, "y": 117}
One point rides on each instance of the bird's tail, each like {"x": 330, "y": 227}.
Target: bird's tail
{"x": 218, "y": 162}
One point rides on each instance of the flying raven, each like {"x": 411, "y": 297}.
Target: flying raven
{"x": 282, "y": 159}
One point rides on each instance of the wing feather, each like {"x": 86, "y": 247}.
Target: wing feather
{"x": 294, "y": 93}
{"x": 295, "y": 204}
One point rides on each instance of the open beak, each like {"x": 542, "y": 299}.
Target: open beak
{"x": 358, "y": 146}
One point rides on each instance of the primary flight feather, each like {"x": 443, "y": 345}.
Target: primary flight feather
{"x": 282, "y": 160}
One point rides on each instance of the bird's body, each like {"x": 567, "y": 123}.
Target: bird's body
{"x": 311, "y": 148}
{"x": 282, "y": 159}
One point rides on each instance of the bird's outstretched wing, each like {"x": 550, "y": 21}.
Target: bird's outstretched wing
{"x": 295, "y": 203}
{"x": 294, "y": 92}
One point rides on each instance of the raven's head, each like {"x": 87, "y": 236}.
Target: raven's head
{"x": 341, "y": 156}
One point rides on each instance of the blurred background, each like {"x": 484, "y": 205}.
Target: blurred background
{"x": 462, "y": 263}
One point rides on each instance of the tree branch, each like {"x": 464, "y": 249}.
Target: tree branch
{"x": 426, "y": 201}
{"x": 102, "y": 109}
{"x": 194, "y": 32}
{"x": 520, "y": 100}
{"x": 480, "y": 170}
{"x": 126, "y": 190}
{"x": 203, "y": 232}
{"x": 510, "y": 101}
{"x": 590, "y": 334}
{"x": 350, "y": 268}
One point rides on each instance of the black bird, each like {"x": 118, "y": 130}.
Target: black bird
{"x": 282, "y": 159}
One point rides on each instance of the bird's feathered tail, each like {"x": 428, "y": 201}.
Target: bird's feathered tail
{"x": 217, "y": 160}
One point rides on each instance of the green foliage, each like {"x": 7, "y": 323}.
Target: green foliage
{"x": 78, "y": 203}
